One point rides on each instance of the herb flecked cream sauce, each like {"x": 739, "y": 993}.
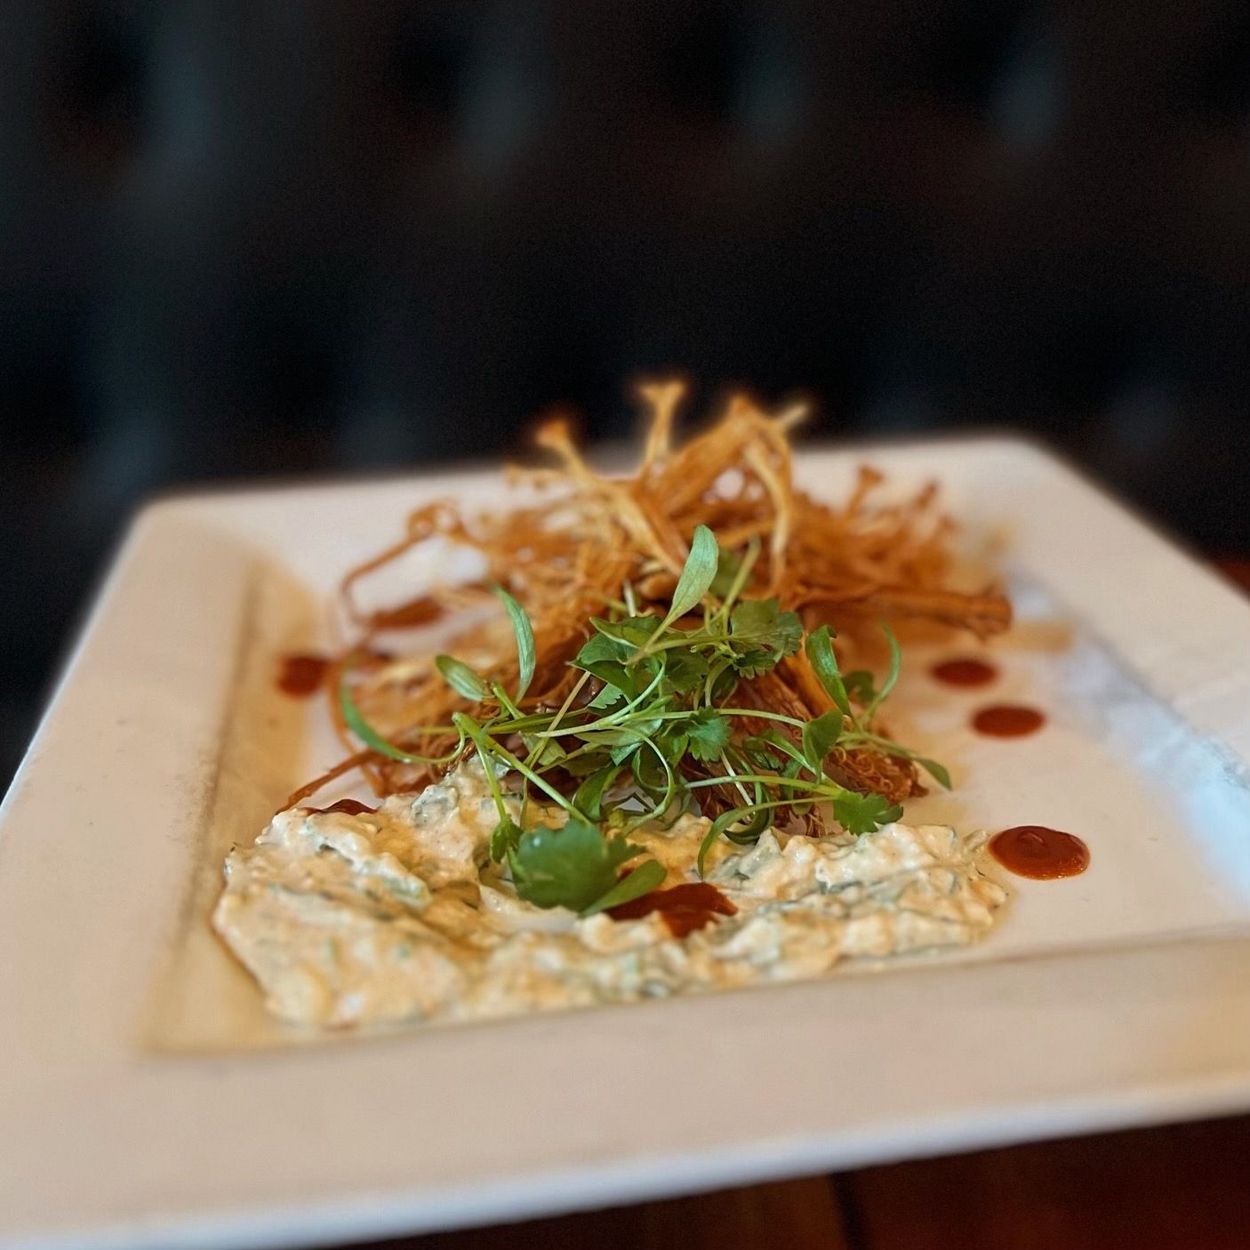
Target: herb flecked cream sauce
{"x": 350, "y": 918}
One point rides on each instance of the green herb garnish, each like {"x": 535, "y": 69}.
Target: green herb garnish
{"x": 576, "y": 866}
{"x": 663, "y": 731}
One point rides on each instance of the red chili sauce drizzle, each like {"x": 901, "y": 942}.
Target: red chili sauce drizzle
{"x": 964, "y": 671}
{"x": 353, "y": 807}
{"x": 684, "y": 908}
{"x": 302, "y": 675}
{"x": 1038, "y": 852}
{"x": 1008, "y": 720}
{"x": 423, "y": 610}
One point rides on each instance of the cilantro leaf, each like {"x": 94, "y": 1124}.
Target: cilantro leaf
{"x": 684, "y": 671}
{"x": 864, "y": 813}
{"x": 625, "y": 635}
{"x": 760, "y": 634}
{"x": 754, "y": 662}
{"x": 708, "y": 731}
{"x": 573, "y": 866}
{"x": 600, "y": 647}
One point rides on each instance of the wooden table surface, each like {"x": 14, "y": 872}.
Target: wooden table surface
{"x": 1184, "y": 1187}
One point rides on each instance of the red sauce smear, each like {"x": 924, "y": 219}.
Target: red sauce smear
{"x": 423, "y": 610}
{"x": 302, "y": 675}
{"x": 684, "y": 908}
{"x": 1038, "y": 852}
{"x": 1008, "y": 720}
{"x": 964, "y": 671}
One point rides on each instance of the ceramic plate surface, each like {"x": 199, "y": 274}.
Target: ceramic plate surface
{"x": 146, "y": 1100}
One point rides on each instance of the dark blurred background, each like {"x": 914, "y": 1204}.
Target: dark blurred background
{"x": 258, "y": 237}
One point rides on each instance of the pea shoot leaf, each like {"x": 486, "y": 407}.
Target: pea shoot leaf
{"x": 648, "y": 876}
{"x": 696, "y": 575}
{"x": 935, "y": 770}
{"x": 891, "y": 677}
{"x": 864, "y": 813}
{"x": 524, "y": 632}
{"x": 824, "y": 664}
{"x": 356, "y": 722}
{"x": 572, "y": 866}
{"x": 461, "y": 678}
{"x": 727, "y": 566}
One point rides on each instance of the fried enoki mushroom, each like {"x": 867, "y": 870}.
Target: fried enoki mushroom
{"x": 572, "y": 555}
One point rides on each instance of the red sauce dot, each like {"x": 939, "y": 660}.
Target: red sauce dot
{"x": 302, "y": 675}
{"x": 964, "y": 671}
{"x": 1040, "y": 853}
{"x": 1008, "y": 720}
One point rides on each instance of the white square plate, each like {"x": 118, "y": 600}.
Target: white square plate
{"x": 146, "y": 1101}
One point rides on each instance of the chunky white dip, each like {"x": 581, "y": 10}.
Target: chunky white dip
{"x": 400, "y": 915}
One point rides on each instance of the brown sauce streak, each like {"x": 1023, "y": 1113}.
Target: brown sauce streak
{"x": 1008, "y": 720}
{"x": 1040, "y": 853}
{"x": 683, "y": 908}
{"x": 302, "y": 675}
{"x": 424, "y": 610}
{"x": 353, "y": 807}
{"x": 964, "y": 671}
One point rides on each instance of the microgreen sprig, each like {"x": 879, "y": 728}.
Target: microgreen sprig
{"x": 661, "y": 731}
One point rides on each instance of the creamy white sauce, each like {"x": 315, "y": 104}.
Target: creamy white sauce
{"x": 400, "y": 915}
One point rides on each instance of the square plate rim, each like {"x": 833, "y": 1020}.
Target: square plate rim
{"x": 613, "y": 1169}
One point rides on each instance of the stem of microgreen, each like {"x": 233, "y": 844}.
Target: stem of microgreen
{"x": 511, "y": 760}
{"x": 760, "y": 714}
{"x": 472, "y": 730}
{"x": 749, "y": 558}
{"x": 506, "y": 703}
{"x": 728, "y": 767}
{"x": 356, "y": 722}
{"x": 670, "y": 788}
{"x": 614, "y": 719}
{"x": 825, "y": 788}
{"x": 578, "y": 686}
{"x": 721, "y": 823}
